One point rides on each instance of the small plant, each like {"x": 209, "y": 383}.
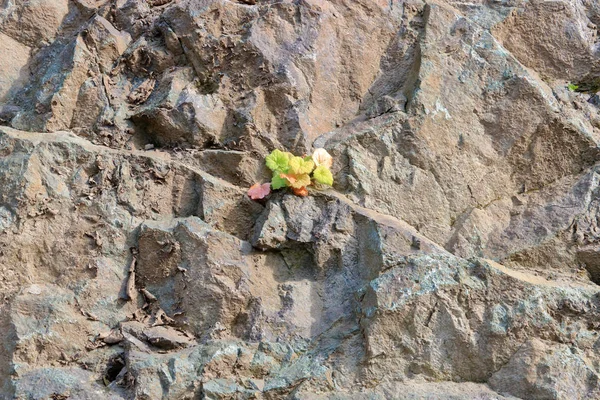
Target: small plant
{"x": 295, "y": 172}
{"x": 573, "y": 87}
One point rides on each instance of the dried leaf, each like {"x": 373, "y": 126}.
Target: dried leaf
{"x": 130, "y": 286}
{"x": 149, "y": 296}
{"x": 303, "y": 191}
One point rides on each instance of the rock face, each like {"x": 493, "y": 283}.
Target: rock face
{"x": 456, "y": 257}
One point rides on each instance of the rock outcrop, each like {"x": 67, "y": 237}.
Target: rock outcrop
{"x": 456, "y": 257}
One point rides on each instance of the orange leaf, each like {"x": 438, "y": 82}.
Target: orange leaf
{"x": 297, "y": 180}
{"x": 258, "y": 191}
{"x": 303, "y": 191}
{"x": 291, "y": 178}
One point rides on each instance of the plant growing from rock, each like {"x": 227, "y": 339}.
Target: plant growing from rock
{"x": 295, "y": 172}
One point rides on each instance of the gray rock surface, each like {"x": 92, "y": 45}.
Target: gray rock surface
{"x": 456, "y": 257}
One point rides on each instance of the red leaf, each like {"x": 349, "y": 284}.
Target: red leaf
{"x": 258, "y": 191}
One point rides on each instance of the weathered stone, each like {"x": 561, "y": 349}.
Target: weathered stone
{"x": 416, "y": 391}
{"x": 106, "y": 42}
{"x": 560, "y": 30}
{"x": 540, "y": 370}
{"x": 456, "y": 256}
{"x": 176, "y": 113}
{"x": 92, "y": 103}
{"x": 13, "y": 66}
{"x": 407, "y": 307}
{"x": 33, "y": 23}
{"x": 71, "y": 383}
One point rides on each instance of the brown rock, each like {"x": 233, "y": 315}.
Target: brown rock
{"x": 456, "y": 256}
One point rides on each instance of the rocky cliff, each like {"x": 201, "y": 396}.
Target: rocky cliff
{"x": 456, "y": 257}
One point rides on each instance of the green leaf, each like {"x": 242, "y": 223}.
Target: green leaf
{"x": 299, "y": 166}
{"x": 278, "y": 182}
{"x": 323, "y": 175}
{"x": 572, "y": 87}
{"x": 278, "y": 161}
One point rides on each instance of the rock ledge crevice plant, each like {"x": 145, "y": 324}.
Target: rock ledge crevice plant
{"x": 295, "y": 172}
